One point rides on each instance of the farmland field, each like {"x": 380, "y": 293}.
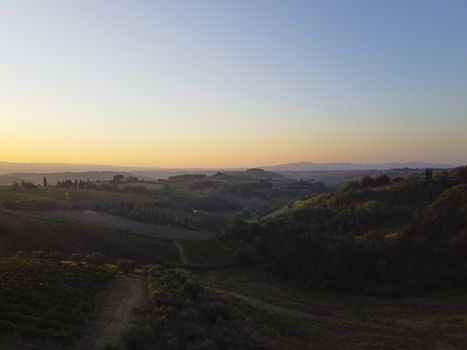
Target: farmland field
{"x": 63, "y": 195}
{"x": 119, "y": 223}
{"x": 46, "y": 302}
{"x": 23, "y": 231}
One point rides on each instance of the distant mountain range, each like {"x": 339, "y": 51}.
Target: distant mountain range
{"x": 308, "y": 166}
{"x": 10, "y": 167}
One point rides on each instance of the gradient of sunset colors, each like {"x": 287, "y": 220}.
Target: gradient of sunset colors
{"x": 233, "y": 83}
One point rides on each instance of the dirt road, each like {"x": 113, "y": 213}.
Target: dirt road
{"x": 181, "y": 252}
{"x": 115, "y": 314}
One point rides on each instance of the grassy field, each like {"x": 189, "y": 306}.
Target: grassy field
{"x": 119, "y": 223}
{"x": 62, "y": 195}
{"x": 282, "y": 210}
{"x": 206, "y": 252}
{"x": 98, "y": 199}
{"x": 7, "y": 194}
{"x": 20, "y": 231}
{"x": 71, "y": 231}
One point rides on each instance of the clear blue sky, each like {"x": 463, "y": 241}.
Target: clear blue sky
{"x": 233, "y": 83}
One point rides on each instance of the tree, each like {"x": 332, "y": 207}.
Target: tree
{"x": 39, "y": 254}
{"x": 56, "y": 256}
{"x": 367, "y": 181}
{"x": 352, "y": 186}
{"x": 261, "y": 245}
{"x": 382, "y": 180}
{"x": 27, "y": 185}
{"x": 20, "y": 254}
{"x": 242, "y": 257}
{"x": 76, "y": 257}
{"x": 462, "y": 173}
{"x": 126, "y": 266}
{"x": 118, "y": 178}
{"x": 428, "y": 174}
{"x": 95, "y": 258}
{"x": 45, "y": 181}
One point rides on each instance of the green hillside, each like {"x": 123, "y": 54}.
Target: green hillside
{"x": 377, "y": 236}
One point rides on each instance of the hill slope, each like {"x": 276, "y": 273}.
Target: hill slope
{"x": 406, "y": 235}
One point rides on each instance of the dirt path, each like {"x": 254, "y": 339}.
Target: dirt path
{"x": 115, "y": 314}
{"x": 268, "y": 306}
{"x": 181, "y": 253}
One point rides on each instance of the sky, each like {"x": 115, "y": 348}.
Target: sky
{"x": 233, "y": 83}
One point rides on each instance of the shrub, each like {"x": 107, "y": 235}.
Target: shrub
{"x": 39, "y": 254}
{"x": 56, "y": 256}
{"x": 367, "y": 181}
{"x": 126, "y": 266}
{"x": 76, "y": 257}
{"x": 95, "y": 258}
{"x": 135, "y": 339}
{"x": 242, "y": 257}
{"x": 20, "y": 254}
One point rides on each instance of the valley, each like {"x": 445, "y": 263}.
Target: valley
{"x": 249, "y": 241}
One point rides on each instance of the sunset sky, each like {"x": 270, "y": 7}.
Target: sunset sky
{"x": 233, "y": 83}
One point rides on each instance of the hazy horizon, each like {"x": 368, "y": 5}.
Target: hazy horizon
{"x": 39, "y": 167}
{"x": 208, "y": 84}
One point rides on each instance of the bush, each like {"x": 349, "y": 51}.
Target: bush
{"x": 261, "y": 246}
{"x": 135, "y": 339}
{"x": 242, "y": 257}
{"x": 352, "y": 186}
{"x": 20, "y": 254}
{"x": 76, "y": 257}
{"x": 39, "y": 254}
{"x": 56, "y": 256}
{"x": 126, "y": 266}
{"x": 185, "y": 315}
{"x": 367, "y": 181}
{"x": 95, "y": 258}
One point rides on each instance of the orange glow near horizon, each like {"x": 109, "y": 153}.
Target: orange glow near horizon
{"x": 228, "y": 84}
{"x": 251, "y": 149}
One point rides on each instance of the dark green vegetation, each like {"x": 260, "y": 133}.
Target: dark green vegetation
{"x": 183, "y": 315}
{"x": 28, "y": 232}
{"x": 135, "y": 219}
{"x": 378, "y": 236}
{"x": 186, "y": 313}
{"x": 202, "y": 252}
{"x": 197, "y": 202}
{"x": 247, "y": 309}
{"x": 47, "y": 302}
